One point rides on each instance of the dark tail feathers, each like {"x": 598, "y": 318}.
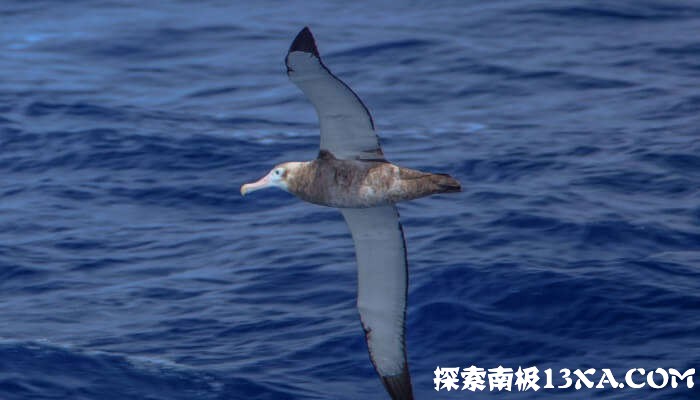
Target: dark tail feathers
{"x": 445, "y": 183}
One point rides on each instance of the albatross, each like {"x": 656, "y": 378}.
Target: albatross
{"x": 352, "y": 174}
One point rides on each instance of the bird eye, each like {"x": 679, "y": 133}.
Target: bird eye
{"x": 277, "y": 172}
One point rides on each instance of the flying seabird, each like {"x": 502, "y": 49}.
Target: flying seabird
{"x": 351, "y": 173}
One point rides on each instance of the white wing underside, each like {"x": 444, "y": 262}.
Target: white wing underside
{"x": 382, "y": 283}
{"x": 347, "y": 129}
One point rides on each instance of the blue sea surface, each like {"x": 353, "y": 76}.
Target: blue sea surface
{"x": 131, "y": 267}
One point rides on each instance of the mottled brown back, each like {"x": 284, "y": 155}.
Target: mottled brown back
{"x": 332, "y": 182}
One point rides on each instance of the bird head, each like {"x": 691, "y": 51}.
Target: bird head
{"x": 278, "y": 177}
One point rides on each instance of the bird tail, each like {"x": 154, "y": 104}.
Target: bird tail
{"x": 445, "y": 184}
{"x": 416, "y": 184}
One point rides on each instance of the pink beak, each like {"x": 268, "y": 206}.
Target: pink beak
{"x": 251, "y": 187}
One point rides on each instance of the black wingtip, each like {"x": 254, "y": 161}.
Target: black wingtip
{"x": 304, "y": 42}
{"x": 399, "y": 386}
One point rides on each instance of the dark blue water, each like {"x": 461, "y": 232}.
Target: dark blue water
{"x": 130, "y": 267}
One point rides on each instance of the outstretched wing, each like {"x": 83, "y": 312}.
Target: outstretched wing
{"x": 347, "y": 129}
{"x": 382, "y": 290}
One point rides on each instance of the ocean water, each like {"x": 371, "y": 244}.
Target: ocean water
{"x": 130, "y": 266}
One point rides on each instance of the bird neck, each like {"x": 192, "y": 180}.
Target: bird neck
{"x": 299, "y": 176}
